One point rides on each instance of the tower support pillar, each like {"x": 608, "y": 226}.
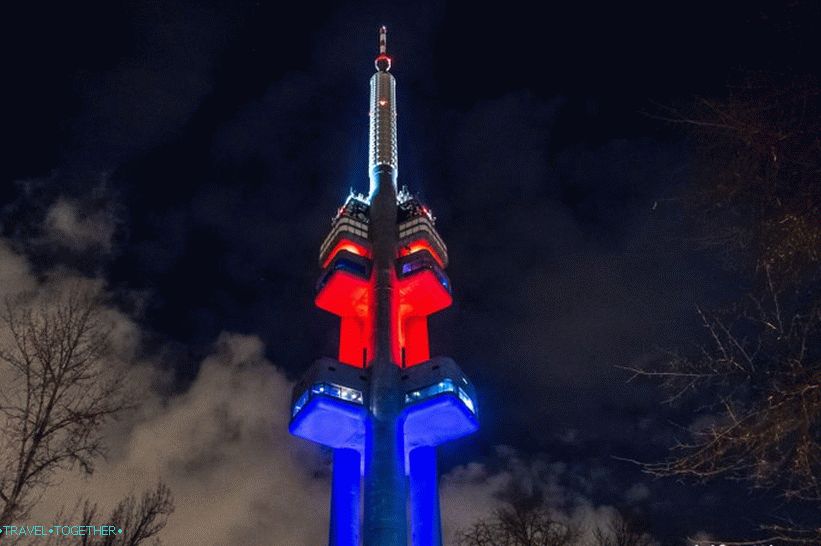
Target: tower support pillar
{"x": 426, "y": 528}
{"x": 345, "y": 498}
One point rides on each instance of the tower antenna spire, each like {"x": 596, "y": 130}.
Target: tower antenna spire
{"x": 383, "y": 154}
{"x": 383, "y": 61}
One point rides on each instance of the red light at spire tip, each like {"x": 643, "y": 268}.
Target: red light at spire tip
{"x": 383, "y": 62}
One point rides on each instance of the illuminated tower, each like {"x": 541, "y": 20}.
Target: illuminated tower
{"x": 383, "y": 405}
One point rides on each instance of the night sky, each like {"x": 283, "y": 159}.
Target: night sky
{"x": 191, "y": 154}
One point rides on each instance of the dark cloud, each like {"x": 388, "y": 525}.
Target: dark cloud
{"x": 165, "y": 72}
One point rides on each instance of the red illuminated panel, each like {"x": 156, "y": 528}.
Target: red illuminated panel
{"x": 348, "y": 296}
{"x": 353, "y": 341}
{"x": 422, "y": 294}
{"x": 350, "y": 246}
{"x": 344, "y": 295}
{"x": 415, "y": 297}
{"x": 416, "y": 246}
{"x": 415, "y": 340}
{"x": 419, "y": 295}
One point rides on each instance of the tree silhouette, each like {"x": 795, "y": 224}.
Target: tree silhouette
{"x": 59, "y": 389}
{"x": 756, "y": 378}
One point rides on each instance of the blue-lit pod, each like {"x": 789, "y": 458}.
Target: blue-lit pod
{"x": 328, "y": 405}
{"x": 440, "y": 404}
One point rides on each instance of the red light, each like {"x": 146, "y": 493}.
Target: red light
{"x": 415, "y": 340}
{"x": 348, "y": 245}
{"x": 353, "y": 343}
{"x": 420, "y": 295}
{"x": 348, "y": 297}
{"x": 414, "y": 299}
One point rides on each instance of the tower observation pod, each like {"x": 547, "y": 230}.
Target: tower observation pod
{"x": 383, "y": 404}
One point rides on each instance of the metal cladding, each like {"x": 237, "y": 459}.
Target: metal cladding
{"x": 383, "y": 124}
{"x": 382, "y": 152}
{"x": 383, "y": 405}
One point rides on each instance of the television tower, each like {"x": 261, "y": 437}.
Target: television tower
{"x": 383, "y": 405}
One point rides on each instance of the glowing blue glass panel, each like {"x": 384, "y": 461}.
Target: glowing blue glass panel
{"x": 351, "y": 267}
{"x": 444, "y": 386}
{"x": 437, "y": 420}
{"x": 425, "y": 262}
{"x": 300, "y": 403}
{"x": 330, "y": 422}
{"x": 360, "y": 269}
{"x": 463, "y": 396}
{"x": 328, "y": 389}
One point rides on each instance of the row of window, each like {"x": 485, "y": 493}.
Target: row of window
{"x": 421, "y": 261}
{"x": 347, "y": 225}
{"x": 348, "y": 262}
{"x": 422, "y": 224}
{"x": 407, "y": 265}
{"x": 446, "y": 385}
{"x": 355, "y": 396}
{"x": 328, "y": 389}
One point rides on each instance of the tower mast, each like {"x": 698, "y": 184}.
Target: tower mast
{"x": 383, "y": 405}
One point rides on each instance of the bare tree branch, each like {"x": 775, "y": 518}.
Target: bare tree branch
{"x": 519, "y": 525}
{"x": 59, "y": 392}
{"x": 757, "y": 377}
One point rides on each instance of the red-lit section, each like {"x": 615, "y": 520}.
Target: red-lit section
{"x": 350, "y": 246}
{"x": 396, "y": 330}
{"x": 352, "y": 341}
{"x": 419, "y": 295}
{"x": 415, "y": 340}
{"x": 421, "y": 244}
{"x": 422, "y": 294}
{"x": 348, "y": 297}
{"x": 344, "y": 295}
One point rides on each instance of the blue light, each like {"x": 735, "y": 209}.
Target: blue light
{"x": 337, "y": 391}
{"x": 330, "y": 422}
{"x": 347, "y": 265}
{"x": 334, "y": 415}
{"x": 328, "y": 389}
{"x": 423, "y": 261}
{"x": 301, "y": 402}
{"x": 345, "y": 498}
{"x": 463, "y": 396}
{"x": 444, "y": 386}
{"x": 424, "y": 498}
{"x": 436, "y": 420}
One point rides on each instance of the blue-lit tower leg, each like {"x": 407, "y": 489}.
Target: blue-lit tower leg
{"x": 345, "y": 498}
{"x": 426, "y": 528}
